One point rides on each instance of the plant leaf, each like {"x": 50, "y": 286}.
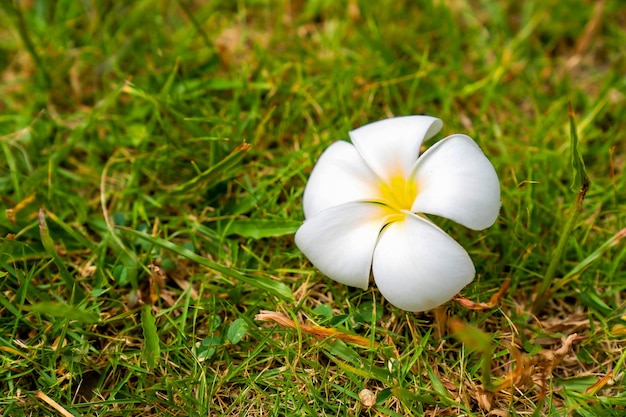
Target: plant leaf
{"x": 151, "y": 350}
{"x": 354, "y": 363}
{"x": 236, "y": 331}
{"x": 259, "y": 228}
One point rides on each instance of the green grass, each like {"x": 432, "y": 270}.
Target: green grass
{"x": 122, "y": 131}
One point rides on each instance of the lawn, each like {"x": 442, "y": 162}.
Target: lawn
{"x": 153, "y": 157}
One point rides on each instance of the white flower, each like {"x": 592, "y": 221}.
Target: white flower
{"x": 365, "y": 206}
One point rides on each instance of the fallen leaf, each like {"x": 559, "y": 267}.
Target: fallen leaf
{"x": 493, "y": 301}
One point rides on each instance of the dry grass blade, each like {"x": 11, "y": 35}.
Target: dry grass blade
{"x": 317, "y": 331}
{"x": 592, "y": 390}
{"x": 53, "y": 404}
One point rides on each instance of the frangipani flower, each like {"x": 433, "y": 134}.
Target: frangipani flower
{"x": 366, "y": 202}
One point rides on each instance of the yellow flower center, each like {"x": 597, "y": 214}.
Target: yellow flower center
{"x": 400, "y": 193}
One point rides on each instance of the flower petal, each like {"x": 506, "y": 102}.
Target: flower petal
{"x": 391, "y": 146}
{"x": 455, "y": 180}
{"x": 417, "y": 266}
{"x": 339, "y": 176}
{"x": 340, "y": 241}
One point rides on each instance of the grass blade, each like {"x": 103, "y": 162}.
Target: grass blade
{"x": 56, "y": 309}
{"x": 580, "y": 184}
{"x": 277, "y": 289}
{"x": 580, "y": 177}
{"x": 219, "y": 170}
{"x": 74, "y": 291}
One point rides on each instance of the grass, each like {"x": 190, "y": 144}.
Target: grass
{"x": 153, "y": 157}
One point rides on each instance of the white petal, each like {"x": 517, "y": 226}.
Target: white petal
{"x": 340, "y": 241}
{"x": 391, "y": 146}
{"x": 339, "y": 176}
{"x": 417, "y": 266}
{"x": 455, "y": 180}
